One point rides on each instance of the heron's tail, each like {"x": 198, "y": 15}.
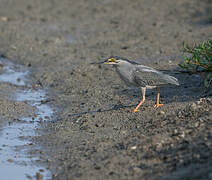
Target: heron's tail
{"x": 173, "y": 80}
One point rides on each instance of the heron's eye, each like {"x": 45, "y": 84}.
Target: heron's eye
{"x": 112, "y": 60}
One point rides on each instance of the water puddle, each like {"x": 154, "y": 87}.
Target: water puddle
{"x": 15, "y": 162}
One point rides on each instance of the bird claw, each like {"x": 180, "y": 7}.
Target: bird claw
{"x": 158, "y": 105}
{"x": 134, "y": 110}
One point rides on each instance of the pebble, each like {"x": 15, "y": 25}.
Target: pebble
{"x": 133, "y": 147}
{"x": 1, "y": 67}
{"x": 180, "y": 114}
{"x": 161, "y": 112}
{"x": 196, "y": 124}
{"x": 3, "y": 18}
{"x": 193, "y": 106}
{"x": 39, "y": 176}
{"x": 201, "y": 100}
{"x": 10, "y": 160}
{"x": 209, "y": 100}
{"x": 182, "y": 135}
{"x": 159, "y": 146}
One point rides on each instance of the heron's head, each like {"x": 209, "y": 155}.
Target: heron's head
{"x": 116, "y": 60}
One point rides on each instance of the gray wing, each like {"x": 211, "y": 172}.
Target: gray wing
{"x": 146, "y": 76}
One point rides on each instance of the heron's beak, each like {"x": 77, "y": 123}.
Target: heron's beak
{"x": 106, "y": 62}
{"x": 98, "y": 62}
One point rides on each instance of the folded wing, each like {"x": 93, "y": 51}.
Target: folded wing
{"x": 146, "y": 76}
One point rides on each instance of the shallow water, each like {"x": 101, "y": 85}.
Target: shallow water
{"x": 15, "y": 162}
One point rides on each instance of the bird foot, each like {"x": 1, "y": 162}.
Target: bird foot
{"x": 134, "y": 110}
{"x": 158, "y": 105}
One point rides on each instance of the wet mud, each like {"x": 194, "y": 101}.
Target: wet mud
{"x": 93, "y": 133}
{"x": 22, "y": 114}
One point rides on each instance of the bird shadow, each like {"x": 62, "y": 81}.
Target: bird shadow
{"x": 114, "y": 108}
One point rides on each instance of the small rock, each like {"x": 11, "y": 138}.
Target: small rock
{"x": 137, "y": 170}
{"x": 10, "y": 160}
{"x": 124, "y": 47}
{"x": 201, "y": 101}
{"x": 29, "y": 64}
{"x": 193, "y": 107}
{"x": 159, "y": 146}
{"x": 3, "y": 18}
{"x": 196, "y": 124}
{"x": 47, "y": 117}
{"x": 133, "y": 147}
{"x": 182, "y": 135}
{"x": 209, "y": 100}
{"x": 180, "y": 114}
{"x": 39, "y": 176}
{"x": 161, "y": 112}
{"x": 18, "y": 79}
{"x": 154, "y": 23}
{"x": 48, "y": 160}
{"x": 1, "y": 67}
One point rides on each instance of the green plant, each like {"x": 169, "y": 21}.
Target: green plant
{"x": 198, "y": 60}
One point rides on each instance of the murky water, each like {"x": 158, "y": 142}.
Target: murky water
{"x": 15, "y": 163}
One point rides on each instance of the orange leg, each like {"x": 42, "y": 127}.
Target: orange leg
{"x": 158, "y": 98}
{"x": 142, "y": 101}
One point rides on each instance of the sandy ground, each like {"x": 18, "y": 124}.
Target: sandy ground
{"x": 94, "y": 135}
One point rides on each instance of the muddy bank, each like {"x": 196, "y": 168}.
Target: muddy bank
{"x": 95, "y": 135}
{"x": 23, "y": 110}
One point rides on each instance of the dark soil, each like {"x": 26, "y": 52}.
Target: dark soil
{"x": 94, "y": 135}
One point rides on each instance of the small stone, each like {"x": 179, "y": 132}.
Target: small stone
{"x": 1, "y": 67}
{"x": 193, "y": 106}
{"x": 124, "y": 132}
{"x": 133, "y": 148}
{"x": 154, "y": 23}
{"x": 161, "y": 112}
{"x": 47, "y": 117}
{"x": 137, "y": 170}
{"x": 3, "y": 18}
{"x": 10, "y": 160}
{"x": 29, "y": 64}
{"x": 182, "y": 135}
{"x": 180, "y": 115}
{"x": 124, "y": 47}
{"x": 159, "y": 146}
{"x": 209, "y": 100}
{"x": 48, "y": 160}
{"x": 39, "y": 176}
{"x": 196, "y": 124}
{"x": 18, "y": 79}
{"x": 200, "y": 101}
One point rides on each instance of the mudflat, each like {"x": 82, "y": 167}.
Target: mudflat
{"x": 93, "y": 134}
